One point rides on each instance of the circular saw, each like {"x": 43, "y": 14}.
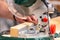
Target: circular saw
{"x": 19, "y": 8}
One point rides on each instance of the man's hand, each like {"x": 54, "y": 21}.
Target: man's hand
{"x": 31, "y": 18}
{"x": 5, "y": 13}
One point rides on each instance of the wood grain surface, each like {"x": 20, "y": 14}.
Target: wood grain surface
{"x": 56, "y": 21}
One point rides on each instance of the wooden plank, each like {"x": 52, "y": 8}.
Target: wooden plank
{"x": 56, "y": 21}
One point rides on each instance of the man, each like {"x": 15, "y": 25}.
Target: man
{"x": 7, "y": 20}
{"x": 6, "y": 17}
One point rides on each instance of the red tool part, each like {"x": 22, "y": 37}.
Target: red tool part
{"x": 52, "y": 29}
{"x": 45, "y": 19}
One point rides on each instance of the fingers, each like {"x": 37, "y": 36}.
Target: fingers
{"x": 32, "y": 19}
{"x": 29, "y": 19}
{"x": 35, "y": 20}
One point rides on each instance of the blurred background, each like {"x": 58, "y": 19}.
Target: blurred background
{"x": 56, "y": 3}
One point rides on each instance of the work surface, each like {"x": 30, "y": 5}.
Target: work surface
{"x": 56, "y": 21}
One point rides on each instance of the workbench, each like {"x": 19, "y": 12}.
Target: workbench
{"x": 55, "y": 21}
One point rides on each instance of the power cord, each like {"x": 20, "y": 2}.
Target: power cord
{"x": 15, "y": 21}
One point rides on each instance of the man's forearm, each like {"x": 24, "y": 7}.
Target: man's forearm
{"x": 9, "y": 16}
{"x": 4, "y": 12}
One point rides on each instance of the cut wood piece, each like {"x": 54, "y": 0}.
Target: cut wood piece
{"x": 15, "y": 31}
